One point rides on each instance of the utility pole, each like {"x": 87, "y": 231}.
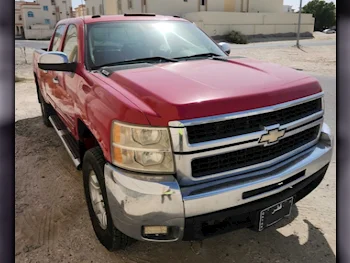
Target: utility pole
{"x": 298, "y": 34}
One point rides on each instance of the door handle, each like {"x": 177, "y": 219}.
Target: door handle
{"x": 55, "y": 80}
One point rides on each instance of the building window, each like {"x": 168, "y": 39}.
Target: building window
{"x": 130, "y": 4}
{"x": 30, "y": 14}
{"x": 101, "y": 10}
{"x": 87, "y": 11}
{"x": 45, "y": 8}
{"x": 203, "y": 2}
{"x": 47, "y": 21}
{"x": 53, "y": 2}
{"x": 185, "y": 0}
{"x": 93, "y": 10}
{"x": 19, "y": 17}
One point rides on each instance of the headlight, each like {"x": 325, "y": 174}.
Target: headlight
{"x": 142, "y": 149}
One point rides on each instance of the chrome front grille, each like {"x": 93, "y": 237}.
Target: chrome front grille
{"x": 229, "y": 145}
{"x": 249, "y": 124}
{"x": 251, "y": 156}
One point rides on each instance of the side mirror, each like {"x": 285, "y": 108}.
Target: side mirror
{"x": 225, "y": 47}
{"x": 56, "y": 61}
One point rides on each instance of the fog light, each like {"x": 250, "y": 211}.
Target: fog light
{"x": 155, "y": 230}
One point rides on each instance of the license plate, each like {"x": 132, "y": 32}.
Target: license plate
{"x": 275, "y": 213}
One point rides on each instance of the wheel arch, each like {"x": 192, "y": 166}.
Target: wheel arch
{"x": 86, "y": 139}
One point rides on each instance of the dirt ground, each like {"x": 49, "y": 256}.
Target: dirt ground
{"x": 52, "y": 222}
{"x": 320, "y": 59}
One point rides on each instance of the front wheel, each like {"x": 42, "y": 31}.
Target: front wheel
{"x": 96, "y": 199}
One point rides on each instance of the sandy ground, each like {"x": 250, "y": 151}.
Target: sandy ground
{"x": 52, "y": 222}
{"x": 320, "y": 59}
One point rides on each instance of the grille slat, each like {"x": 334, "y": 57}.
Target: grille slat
{"x": 234, "y": 127}
{"x": 251, "y": 156}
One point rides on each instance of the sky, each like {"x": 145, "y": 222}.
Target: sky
{"x": 294, "y": 3}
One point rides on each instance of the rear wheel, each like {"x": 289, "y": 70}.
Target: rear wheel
{"x": 96, "y": 199}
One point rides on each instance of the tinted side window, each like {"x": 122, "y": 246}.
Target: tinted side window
{"x": 71, "y": 44}
{"x": 57, "y": 38}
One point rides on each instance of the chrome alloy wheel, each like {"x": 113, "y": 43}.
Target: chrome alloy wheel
{"x": 97, "y": 200}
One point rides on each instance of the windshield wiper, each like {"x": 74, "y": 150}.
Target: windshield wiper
{"x": 137, "y": 60}
{"x": 201, "y": 55}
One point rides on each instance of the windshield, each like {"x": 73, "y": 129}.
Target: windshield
{"x": 114, "y": 42}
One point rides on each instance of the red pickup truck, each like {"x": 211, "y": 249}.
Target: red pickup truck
{"x": 176, "y": 139}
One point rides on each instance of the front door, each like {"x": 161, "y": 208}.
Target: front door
{"x": 52, "y": 79}
{"x": 70, "y": 80}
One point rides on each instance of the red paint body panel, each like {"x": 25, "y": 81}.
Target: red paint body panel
{"x": 200, "y": 88}
{"x": 170, "y": 91}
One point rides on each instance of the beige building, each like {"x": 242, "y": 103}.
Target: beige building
{"x": 19, "y": 30}
{"x": 80, "y": 10}
{"x": 182, "y": 7}
{"x": 217, "y": 17}
{"x": 95, "y": 7}
{"x": 36, "y": 20}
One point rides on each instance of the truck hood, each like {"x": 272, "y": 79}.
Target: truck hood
{"x": 201, "y": 88}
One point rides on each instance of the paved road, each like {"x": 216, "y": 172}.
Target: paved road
{"x": 44, "y": 43}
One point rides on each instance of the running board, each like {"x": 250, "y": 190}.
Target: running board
{"x": 68, "y": 140}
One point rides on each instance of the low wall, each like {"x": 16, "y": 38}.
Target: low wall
{"x": 38, "y": 33}
{"x": 221, "y": 23}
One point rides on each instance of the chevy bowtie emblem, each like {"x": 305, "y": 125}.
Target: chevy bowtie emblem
{"x": 273, "y": 134}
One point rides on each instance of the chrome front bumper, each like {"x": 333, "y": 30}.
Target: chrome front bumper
{"x": 152, "y": 200}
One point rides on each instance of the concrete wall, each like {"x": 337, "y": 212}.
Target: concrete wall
{"x": 38, "y": 33}
{"x": 180, "y": 7}
{"x": 265, "y": 6}
{"x": 221, "y": 23}
{"x": 173, "y": 7}
{"x": 216, "y": 5}
{"x": 110, "y": 7}
{"x": 229, "y": 5}
{"x": 136, "y": 6}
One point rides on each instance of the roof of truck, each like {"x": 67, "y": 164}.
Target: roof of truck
{"x": 125, "y": 17}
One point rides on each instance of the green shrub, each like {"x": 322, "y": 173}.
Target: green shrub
{"x": 237, "y": 37}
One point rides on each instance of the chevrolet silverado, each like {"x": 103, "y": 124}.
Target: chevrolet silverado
{"x": 176, "y": 138}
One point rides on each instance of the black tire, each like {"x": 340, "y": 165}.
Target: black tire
{"x": 46, "y": 110}
{"x": 110, "y": 237}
